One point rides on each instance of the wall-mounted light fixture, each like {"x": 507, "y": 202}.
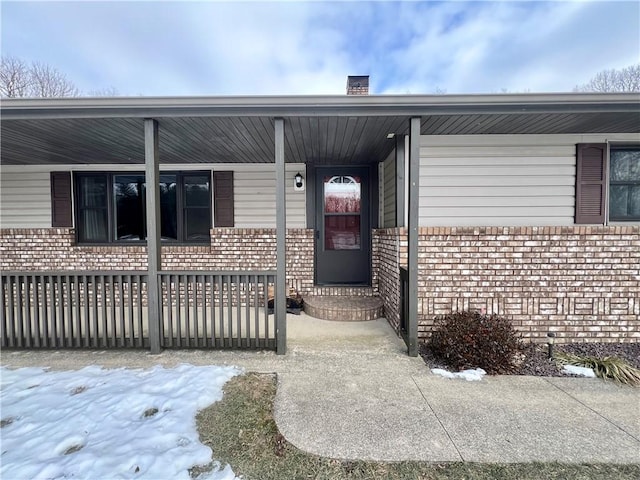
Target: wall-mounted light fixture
{"x": 298, "y": 182}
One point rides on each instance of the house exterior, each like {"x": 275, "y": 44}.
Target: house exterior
{"x": 524, "y": 205}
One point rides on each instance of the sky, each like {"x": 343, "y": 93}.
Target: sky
{"x": 158, "y": 48}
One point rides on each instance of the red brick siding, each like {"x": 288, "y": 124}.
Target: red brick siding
{"x": 255, "y": 249}
{"x": 50, "y": 249}
{"x": 583, "y": 283}
{"x": 389, "y": 253}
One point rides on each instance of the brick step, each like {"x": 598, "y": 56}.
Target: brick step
{"x": 344, "y": 308}
{"x": 347, "y": 290}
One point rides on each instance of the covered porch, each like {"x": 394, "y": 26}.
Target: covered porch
{"x": 153, "y": 293}
{"x": 270, "y": 238}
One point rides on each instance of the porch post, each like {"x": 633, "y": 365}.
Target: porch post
{"x": 414, "y": 185}
{"x": 400, "y": 180}
{"x": 280, "y": 307}
{"x": 152, "y": 178}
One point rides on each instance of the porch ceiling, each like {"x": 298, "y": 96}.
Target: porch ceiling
{"x": 318, "y": 130}
{"x": 318, "y": 140}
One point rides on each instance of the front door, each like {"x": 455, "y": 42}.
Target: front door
{"x": 343, "y": 235}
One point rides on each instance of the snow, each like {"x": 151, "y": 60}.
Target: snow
{"x": 575, "y": 370}
{"x": 97, "y": 423}
{"x": 468, "y": 375}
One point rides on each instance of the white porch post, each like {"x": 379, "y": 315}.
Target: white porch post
{"x": 152, "y": 180}
{"x": 280, "y": 301}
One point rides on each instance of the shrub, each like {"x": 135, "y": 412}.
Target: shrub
{"x": 470, "y": 340}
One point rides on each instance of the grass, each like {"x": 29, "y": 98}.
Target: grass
{"x": 242, "y": 432}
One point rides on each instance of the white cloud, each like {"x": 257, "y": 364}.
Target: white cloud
{"x": 191, "y": 48}
{"x": 517, "y": 46}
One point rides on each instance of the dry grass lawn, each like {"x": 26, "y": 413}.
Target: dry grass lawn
{"x": 242, "y": 432}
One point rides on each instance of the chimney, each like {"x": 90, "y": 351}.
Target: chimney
{"x": 358, "y": 85}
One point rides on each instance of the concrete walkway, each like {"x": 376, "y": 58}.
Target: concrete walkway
{"x": 348, "y": 390}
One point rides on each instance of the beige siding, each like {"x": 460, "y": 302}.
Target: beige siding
{"x": 500, "y": 180}
{"x": 389, "y": 193}
{"x": 255, "y": 195}
{"x": 25, "y": 193}
{"x": 25, "y": 199}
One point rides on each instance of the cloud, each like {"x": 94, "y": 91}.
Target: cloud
{"x": 220, "y": 48}
{"x": 484, "y": 47}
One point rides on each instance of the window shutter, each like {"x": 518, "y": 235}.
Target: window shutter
{"x": 223, "y": 198}
{"x": 591, "y": 182}
{"x": 61, "y": 214}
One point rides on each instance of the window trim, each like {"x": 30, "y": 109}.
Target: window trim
{"x": 619, "y": 147}
{"x": 180, "y": 207}
{"x": 589, "y": 218}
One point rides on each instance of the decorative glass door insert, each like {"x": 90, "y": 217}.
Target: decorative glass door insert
{"x": 342, "y": 197}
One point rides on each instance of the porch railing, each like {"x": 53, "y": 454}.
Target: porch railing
{"x": 219, "y": 310}
{"x": 110, "y": 310}
{"x": 73, "y": 310}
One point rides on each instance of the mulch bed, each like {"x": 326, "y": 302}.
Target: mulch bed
{"x": 536, "y": 361}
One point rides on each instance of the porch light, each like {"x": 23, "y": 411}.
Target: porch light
{"x": 298, "y": 182}
{"x": 390, "y": 135}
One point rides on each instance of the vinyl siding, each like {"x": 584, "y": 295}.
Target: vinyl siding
{"x": 501, "y": 180}
{"x": 389, "y": 193}
{"x": 255, "y": 195}
{"x": 25, "y": 193}
{"x": 25, "y": 198}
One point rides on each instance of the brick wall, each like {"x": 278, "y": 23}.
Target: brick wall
{"x": 389, "y": 253}
{"x": 46, "y": 249}
{"x": 255, "y": 249}
{"x": 50, "y": 249}
{"x": 583, "y": 283}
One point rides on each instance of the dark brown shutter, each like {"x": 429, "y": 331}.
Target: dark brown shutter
{"x": 223, "y": 198}
{"x": 61, "y": 215}
{"x": 591, "y": 182}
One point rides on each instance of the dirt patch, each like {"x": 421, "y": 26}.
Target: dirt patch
{"x": 6, "y": 421}
{"x": 73, "y": 449}
{"x": 149, "y": 412}
{"x": 78, "y": 390}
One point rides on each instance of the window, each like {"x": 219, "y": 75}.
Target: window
{"x": 111, "y": 207}
{"x": 624, "y": 184}
{"x": 342, "y": 213}
{"x": 620, "y": 183}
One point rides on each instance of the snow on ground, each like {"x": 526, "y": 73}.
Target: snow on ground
{"x": 575, "y": 370}
{"x": 469, "y": 375}
{"x": 96, "y": 423}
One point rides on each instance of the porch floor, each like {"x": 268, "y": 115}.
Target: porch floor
{"x": 344, "y": 308}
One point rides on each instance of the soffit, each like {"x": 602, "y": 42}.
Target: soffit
{"x": 345, "y": 132}
{"x": 318, "y": 140}
{"x": 532, "y": 123}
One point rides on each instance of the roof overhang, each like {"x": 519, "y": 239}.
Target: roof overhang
{"x": 288, "y": 106}
{"x": 318, "y": 129}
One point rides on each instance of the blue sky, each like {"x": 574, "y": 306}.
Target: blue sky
{"x": 297, "y": 47}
